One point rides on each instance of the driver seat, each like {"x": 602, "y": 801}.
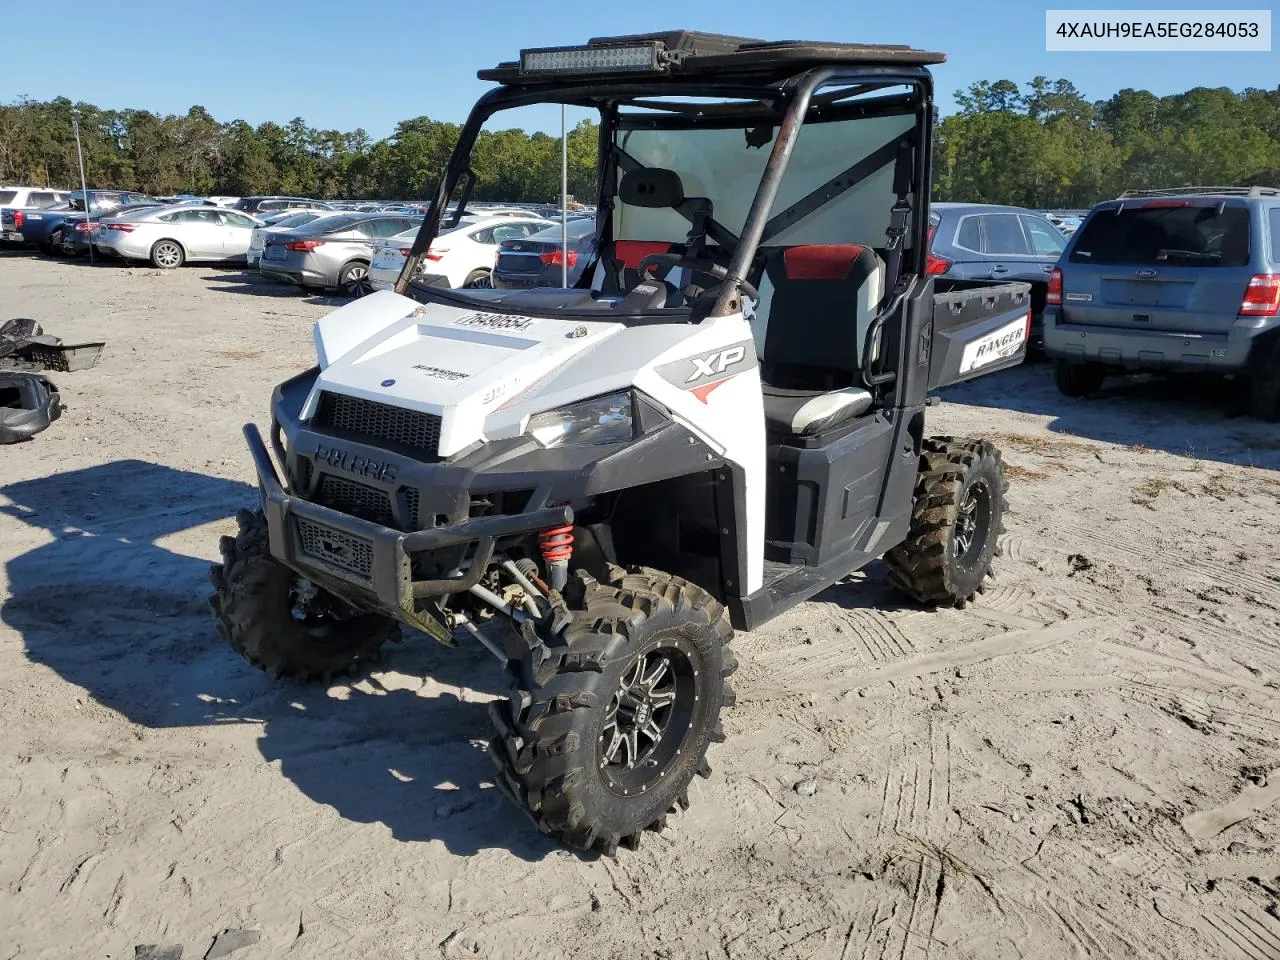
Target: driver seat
{"x": 810, "y": 325}
{"x": 655, "y": 188}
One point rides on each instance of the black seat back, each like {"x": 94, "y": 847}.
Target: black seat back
{"x": 816, "y": 302}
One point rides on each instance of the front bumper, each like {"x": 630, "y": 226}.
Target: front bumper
{"x": 373, "y": 562}
{"x": 1134, "y": 349}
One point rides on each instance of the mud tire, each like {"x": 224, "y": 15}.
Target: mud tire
{"x": 252, "y": 604}
{"x": 930, "y": 564}
{"x": 549, "y": 734}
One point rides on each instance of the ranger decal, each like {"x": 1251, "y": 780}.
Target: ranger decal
{"x": 997, "y": 345}
{"x": 440, "y": 373}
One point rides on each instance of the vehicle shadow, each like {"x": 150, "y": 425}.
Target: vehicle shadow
{"x": 113, "y": 605}
{"x": 248, "y": 282}
{"x": 868, "y": 589}
{"x": 1195, "y": 417}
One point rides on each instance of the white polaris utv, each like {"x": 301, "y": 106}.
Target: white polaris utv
{"x": 723, "y": 417}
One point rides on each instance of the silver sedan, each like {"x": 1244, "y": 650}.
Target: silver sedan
{"x": 330, "y": 252}
{"x": 170, "y": 237}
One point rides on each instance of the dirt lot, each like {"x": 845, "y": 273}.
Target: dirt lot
{"x": 1085, "y": 765}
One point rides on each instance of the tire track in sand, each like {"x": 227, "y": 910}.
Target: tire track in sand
{"x": 916, "y": 796}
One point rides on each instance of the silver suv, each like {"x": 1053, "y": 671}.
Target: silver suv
{"x": 1182, "y": 280}
{"x": 330, "y": 252}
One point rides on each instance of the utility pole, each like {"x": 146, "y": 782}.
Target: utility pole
{"x": 564, "y": 195}
{"x": 84, "y": 189}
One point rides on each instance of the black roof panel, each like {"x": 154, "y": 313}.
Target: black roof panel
{"x": 689, "y": 52}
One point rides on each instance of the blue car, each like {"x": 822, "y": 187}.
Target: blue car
{"x": 53, "y": 230}
{"x": 983, "y": 241}
{"x": 1184, "y": 280}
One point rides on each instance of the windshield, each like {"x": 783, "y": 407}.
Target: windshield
{"x": 334, "y": 224}
{"x": 292, "y": 219}
{"x": 683, "y": 176}
{"x": 577, "y": 229}
{"x": 726, "y": 166}
{"x": 1166, "y": 233}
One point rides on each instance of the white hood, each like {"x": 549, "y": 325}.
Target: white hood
{"x": 460, "y": 364}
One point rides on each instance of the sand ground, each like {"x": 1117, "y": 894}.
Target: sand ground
{"x": 1085, "y": 765}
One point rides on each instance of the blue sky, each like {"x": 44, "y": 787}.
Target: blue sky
{"x": 345, "y": 63}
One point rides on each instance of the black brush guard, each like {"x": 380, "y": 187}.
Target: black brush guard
{"x": 372, "y": 564}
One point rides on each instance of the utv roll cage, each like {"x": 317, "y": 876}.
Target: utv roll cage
{"x": 779, "y": 81}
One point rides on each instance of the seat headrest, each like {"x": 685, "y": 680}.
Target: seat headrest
{"x": 651, "y": 187}
{"x": 630, "y": 252}
{"x": 824, "y": 261}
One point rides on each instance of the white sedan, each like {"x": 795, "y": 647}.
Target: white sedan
{"x": 462, "y": 257}
{"x": 283, "y": 220}
{"x": 169, "y": 238}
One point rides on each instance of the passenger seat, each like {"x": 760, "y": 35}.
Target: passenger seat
{"x": 816, "y": 304}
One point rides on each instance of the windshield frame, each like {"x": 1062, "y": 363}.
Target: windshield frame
{"x": 783, "y": 100}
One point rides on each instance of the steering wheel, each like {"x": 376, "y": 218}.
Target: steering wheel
{"x": 694, "y": 263}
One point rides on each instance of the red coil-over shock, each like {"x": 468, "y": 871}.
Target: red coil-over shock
{"x": 556, "y": 544}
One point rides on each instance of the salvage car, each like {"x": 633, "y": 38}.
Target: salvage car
{"x": 536, "y": 260}
{"x": 18, "y": 204}
{"x": 281, "y": 220}
{"x": 168, "y": 238}
{"x": 463, "y": 257}
{"x": 327, "y": 253}
{"x": 992, "y": 242}
{"x": 1182, "y": 280}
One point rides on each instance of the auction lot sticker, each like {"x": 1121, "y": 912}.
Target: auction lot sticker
{"x": 1177, "y": 30}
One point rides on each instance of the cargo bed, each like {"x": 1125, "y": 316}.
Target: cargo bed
{"x": 979, "y": 327}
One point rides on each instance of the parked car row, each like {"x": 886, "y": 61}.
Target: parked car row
{"x": 1181, "y": 280}
{"x": 312, "y": 243}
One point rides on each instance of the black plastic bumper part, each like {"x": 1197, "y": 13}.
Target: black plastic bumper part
{"x": 373, "y": 561}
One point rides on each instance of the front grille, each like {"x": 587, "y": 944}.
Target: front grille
{"x": 412, "y": 502}
{"x": 335, "y": 548}
{"x": 356, "y": 499}
{"x": 301, "y": 475}
{"x": 369, "y": 420}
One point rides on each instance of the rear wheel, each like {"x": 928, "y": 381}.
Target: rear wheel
{"x": 956, "y": 523}
{"x": 167, "y": 255}
{"x": 1263, "y": 385}
{"x": 354, "y": 279}
{"x": 282, "y": 623}
{"x": 1078, "y": 379}
{"x": 478, "y": 280}
{"x": 609, "y": 721}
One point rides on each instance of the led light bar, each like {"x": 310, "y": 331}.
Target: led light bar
{"x": 602, "y": 59}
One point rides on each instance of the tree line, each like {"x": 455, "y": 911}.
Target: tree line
{"x": 1039, "y": 145}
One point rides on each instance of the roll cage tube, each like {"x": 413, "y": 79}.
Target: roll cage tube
{"x": 793, "y": 94}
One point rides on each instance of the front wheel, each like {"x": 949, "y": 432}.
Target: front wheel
{"x": 167, "y": 255}
{"x": 1078, "y": 379}
{"x": 354, "y": 280}
{"x": 609, "y": 721}
{"x": 956, "y": 523}
{"x": 478, "y": 280}
{"x": 284, "y": 624}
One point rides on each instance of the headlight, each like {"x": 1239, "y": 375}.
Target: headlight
{"x": 602, "y": 420}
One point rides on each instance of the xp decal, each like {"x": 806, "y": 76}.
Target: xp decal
{"x": 702, "y": 373}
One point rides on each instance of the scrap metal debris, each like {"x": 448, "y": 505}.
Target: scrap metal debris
{"x": 29, "y": 401}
